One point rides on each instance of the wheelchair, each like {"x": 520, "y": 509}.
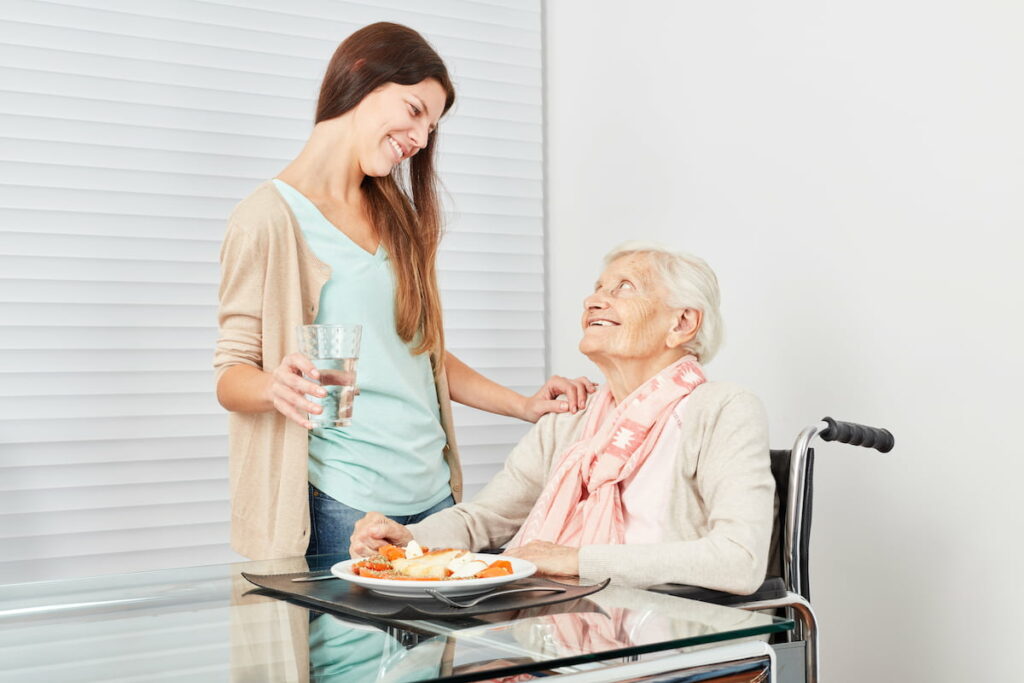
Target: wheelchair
{"x": 788, "y": 583}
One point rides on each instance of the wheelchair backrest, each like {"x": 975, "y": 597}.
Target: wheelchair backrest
{"x": 780, "y": 471}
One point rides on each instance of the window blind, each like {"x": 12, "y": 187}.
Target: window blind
{"x": 128, "y": 132}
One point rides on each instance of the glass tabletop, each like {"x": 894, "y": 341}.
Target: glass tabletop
{"x": 207, "y": 623}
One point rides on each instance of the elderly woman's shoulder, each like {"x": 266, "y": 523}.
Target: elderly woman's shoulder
{"x": 562, "y": 423}
{"x": 555, "y": 429}
{"x": 718, "y": 396}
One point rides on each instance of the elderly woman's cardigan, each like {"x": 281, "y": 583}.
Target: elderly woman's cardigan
{"x": 718, "y": 524}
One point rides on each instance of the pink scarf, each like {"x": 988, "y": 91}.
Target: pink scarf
{"x": 582, "y": 502}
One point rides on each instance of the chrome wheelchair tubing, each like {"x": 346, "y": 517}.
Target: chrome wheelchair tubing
{"x": 805, "y": 620}
{"x": 791, "y": 572}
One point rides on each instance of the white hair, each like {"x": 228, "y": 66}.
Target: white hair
{"x": 690, "y": 283}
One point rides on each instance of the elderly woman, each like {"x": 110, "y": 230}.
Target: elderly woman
{"x": 665, "y": 477}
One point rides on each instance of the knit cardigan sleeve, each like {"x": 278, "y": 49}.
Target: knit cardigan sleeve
{"x": 493, "y": 516}
{"x": 243, "y": 265}
{"x": 728, "y": 437}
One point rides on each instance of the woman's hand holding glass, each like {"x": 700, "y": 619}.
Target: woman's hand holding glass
{"x": 289, "y": 387}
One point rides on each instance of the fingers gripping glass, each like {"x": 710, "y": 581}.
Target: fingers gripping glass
{"x": 333, "y": 350}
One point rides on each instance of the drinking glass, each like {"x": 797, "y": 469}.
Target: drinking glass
{"x": 334, "y": 350}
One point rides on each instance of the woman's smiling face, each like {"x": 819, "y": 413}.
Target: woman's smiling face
{"x": 627, "y": 317}
{"x": 394, "y": 122}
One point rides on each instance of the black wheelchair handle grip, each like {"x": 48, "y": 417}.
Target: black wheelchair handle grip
{"x": 858, "y": 435}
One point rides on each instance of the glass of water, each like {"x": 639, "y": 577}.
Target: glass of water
{"x": 334, "y": 350}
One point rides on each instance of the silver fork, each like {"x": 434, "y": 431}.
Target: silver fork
{"x": 476, "y": 601}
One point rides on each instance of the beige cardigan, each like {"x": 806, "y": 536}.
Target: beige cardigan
{"x": 718, "y": 524}
{"x": 270, "y": 283}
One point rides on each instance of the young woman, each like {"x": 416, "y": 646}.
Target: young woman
{"x": 343, "y": 236}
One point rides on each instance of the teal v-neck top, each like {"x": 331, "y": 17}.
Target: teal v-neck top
{"x": 390, "y": 459}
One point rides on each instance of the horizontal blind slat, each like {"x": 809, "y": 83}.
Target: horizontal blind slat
{"x": 42, "y": 453}
{"x": 307, "y": 38}
{"x": 17, "y": 196}
{"x": 189, "y": 116}
{"x": 69, "y": 545}
{"x": 204, "y": 19}
{"x": 22, "y": 51}
{"x": 122, "y": 360}
{"x": 125, "y": 495}
{"x": 495, "y": 103}
{"x": 72, "y": 153}
{"x": 52, "y": 125}
{"x": 122, "y": 561}
{"x": 113, "y": 518}
{"x": 93, "y": 37}
{"x": 206, "y": 251}
{"x": 118, "y": 406}
{"x": 113, "y": 474}
{"x": 76, "y": 429}
{"x": 210, "y": 184}
{"x": 517, "y": 14}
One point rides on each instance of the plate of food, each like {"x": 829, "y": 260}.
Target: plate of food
{"x": 408, "y": 572}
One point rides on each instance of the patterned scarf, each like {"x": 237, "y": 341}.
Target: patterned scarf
{"x": 582, "y": 502}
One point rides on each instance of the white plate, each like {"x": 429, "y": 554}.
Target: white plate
{"x": 416, "y": 589}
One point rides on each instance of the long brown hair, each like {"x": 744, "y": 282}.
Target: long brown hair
{"x": 409, "y": 224}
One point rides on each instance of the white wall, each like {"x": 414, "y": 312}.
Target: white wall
{"x": 853, "y": 172}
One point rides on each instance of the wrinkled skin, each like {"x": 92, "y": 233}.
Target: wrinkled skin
{"x": 645, "y": 334}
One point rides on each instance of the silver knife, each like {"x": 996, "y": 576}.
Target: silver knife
{"x": 318, "y": 577}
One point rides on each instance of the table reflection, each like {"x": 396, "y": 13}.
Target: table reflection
{"x": 341, "y": 650}
{"x": 614, "y": 620}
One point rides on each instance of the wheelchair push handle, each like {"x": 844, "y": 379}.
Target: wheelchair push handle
{"x": 858, "y": 435}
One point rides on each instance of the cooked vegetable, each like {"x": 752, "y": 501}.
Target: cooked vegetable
{"x": 496, "y": 568}
{"x": 415, "y": 563}
{"x": 392, "y": 552}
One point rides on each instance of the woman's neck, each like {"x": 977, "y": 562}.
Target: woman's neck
{"x": 625, "y": 375}
{"x": 327, "y": 169}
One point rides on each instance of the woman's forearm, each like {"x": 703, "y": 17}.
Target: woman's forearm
{"x": 469, "y": 387}
{"x": 245, "y": 389}
{"x": 717, "y": 561}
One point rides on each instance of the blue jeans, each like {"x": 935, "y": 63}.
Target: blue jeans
{"x": 331, "y": 522}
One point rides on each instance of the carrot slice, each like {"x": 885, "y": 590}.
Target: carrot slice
{"x": 371, "y": 573}
{"x": 491, "y": 572}
{"x": 372, "y": 564}
{"x": 392, "y": 552}
{"x": 496, "y": 568}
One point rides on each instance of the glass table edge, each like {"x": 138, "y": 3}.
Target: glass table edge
{"x": 778, "y": 625}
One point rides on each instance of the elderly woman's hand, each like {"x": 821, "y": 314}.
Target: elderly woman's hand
{"x": 373, "y": 531}
{"x": 550, "y": 558}
{"x": 546, "y": 399}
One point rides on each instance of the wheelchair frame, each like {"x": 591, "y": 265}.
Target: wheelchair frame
{"x": 792, "y": 590}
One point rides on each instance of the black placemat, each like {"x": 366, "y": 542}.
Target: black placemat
{"x": 337, "y": 595}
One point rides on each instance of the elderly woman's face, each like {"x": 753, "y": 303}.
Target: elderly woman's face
{"x": 626, "y": 316}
